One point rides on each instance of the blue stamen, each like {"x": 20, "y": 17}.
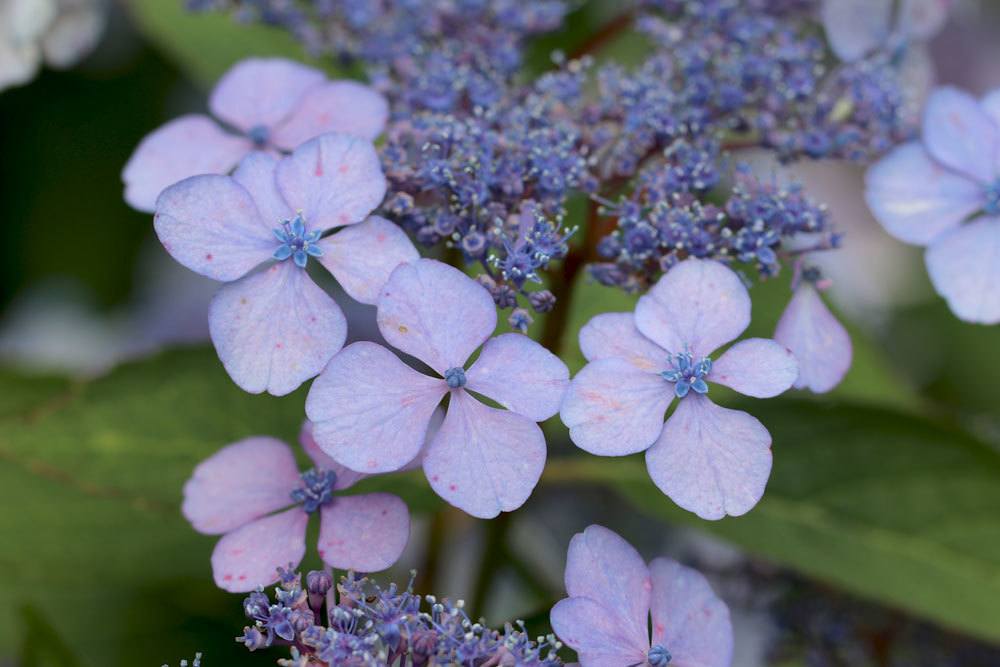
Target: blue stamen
{"x": 688, "y": 375}
{"x": 259, "y": 135}
{"x": 316, "y": 490}
{"x": 455, "y": 377}
{"x": 992, "y": 205}
{"x": 296, "y": 242}
{"x": 658, "y": 656}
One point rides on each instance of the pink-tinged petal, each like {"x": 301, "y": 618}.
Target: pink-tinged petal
{"x": 435, "y": 313}
{"x": 959, "y": 134}
{"x": 696, "y": 307}
{"x": 689, "y": 620}
{"x": 365, "y": 533}
{"x": 483, "y": 460}
{"x": 347, "y": 107}
{"x": 250, "y": 556}
{"x": 261, "y": 91}
{"x": 184, "y": 147}
{"x": 612, "y": 408}
{"x": 256, "y": 174}
{"x": 922, "y": 19}
{"x": 587, "y": 628}
{"x": 211, "y": 225}
{"x": 334, "y": 179}
{"x": 520, "y": 375}
{"x": 757, "y": 367}
{"x": 603, "y": 567}
{"x": 370, "y": 410}
{"x": 855, "y": 27}
{"x": 275, "y": 329}
{"x": 346, "y": 478}
{"x": 964, "y": 266}
{"x": 710, "y": 460}
{"x": 915, "y": 198}
{"x": 817, "y": 339}
{"x": 240, "y": 483}
{"x": 362, "y": 257}
{"x": 614, "y": 335}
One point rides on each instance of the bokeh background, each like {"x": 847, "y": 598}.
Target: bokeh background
{"x": 878, "y": 542}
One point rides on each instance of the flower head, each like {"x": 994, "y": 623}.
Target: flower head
{"x": 251, "y": 493}
{"x": 612, "y": 595}
{"x": 710, "y": 460}
{"x": 372, "y": 411}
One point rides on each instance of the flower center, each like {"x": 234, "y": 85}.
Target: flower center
{"x": 686, "y": 374}
{"x": 992, "y": 205}
{"x": 455, "y": 377}
{"x": 658, "y": 656}
{"x": 316, "y": 490}
{"x": 296, "y": 243}
{"x": 259, "y": 135}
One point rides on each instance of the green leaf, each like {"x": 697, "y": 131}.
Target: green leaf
{"x": 886, "y": 505}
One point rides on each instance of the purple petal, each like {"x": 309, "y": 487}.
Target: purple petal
{"x": 757, "y": 367}
{"x": 347, "y": 107}
{"x": 240, "y": 483}
{"x": 365, "y": 533}
{"x": 275, "y": 329}
{"x": 587, "y": 628}
{"x": 959, "y": 134}
{"x": 964, "y": 266}
{"x": 250, "y": 556}
{"x": 362, "y": 257}
{"x": 915, "y": 198}
{"x": 370, "y": 410}
{"x": 697, "y": 306}
{"x": 184, "y": 147}
{"x": 819, "y": 342}
{"x": 689, "y": 620}
{"x": 211, "y": 225}
{"x": 711, "y": 460}
{"x": 346, "y": 478}
{"x": 603, "y": 567}
{"x": 614, "y": 335}
{"x": 483, "y": 460}
{"x": 256, "y": 174}
{"x": 991, "y": 105}
{"x": 334, "y": 179}
{"x": 261, "y": 91}
{"x": 520, "y": 375}
{"x": 855, "y": 27}
{"x": 922, "y": 19}
{"x": 612, "y": 408}
{"x": 435, "y": 313}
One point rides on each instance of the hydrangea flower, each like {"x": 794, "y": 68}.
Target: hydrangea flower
{"x": 613, "y": 594}
{"x": 238, "y": 492}
{"x": 371, "y": 410}
{"x": 269, "y": 104}
{"x": 943, "y": 192}
{"x": 710, "y": 460}
{"x": 274, "y": 328}
{"x": 856, "y": 28}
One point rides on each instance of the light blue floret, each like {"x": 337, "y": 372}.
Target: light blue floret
{"x": 296, "y": 243}
{"x": 688, "y": 375}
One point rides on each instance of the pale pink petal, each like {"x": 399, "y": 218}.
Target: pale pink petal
{"x": 587, "y": 628}
{"x": 520, "y": 375}
{"x": 689, "y": 620}
{"x": 964, "y": 266}
{"x": 603, "y": 567}
{"x": 275, "y": 329}
{"x": 362, "y": 257}
{"x": 347, "y": 107}
{"x": 922, "y": 19}
{"x": 757, "y": 367}
{"x": 711, "y": 460}
{"x": 915, "y": 198}
{"x": 612, "y": 408}
{"x": 855, "y": 27}
{"x": 483, "y": 460}
{"x": 250, "y": 556}
{"x": 370, "y": 410}
{"x": 346, "y": 478}
{"x": 334, "y": 179}
{"x": 184, "y": 147}
{"x": 614, "y": 335}
{"x": 435, "y": 313}
{"x": 261, "y": 91}
{"x": 240, "y": 483}
{"x": 959, "y": 134}
{"x": 365, "y": 533}
{"x": 819, "y": 342}
{"x": 256, "y": 174}
{"x": 696, "y": 307}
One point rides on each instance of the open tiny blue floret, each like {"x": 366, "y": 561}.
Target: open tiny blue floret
{"x": 658, "y": 656}
{"x": 687, "y": 375}
{"x": 992, "y": 205}
{"x": 296, "y": 243}
{"x": 316, "y": 490}
{"x": 455, "y": 377}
